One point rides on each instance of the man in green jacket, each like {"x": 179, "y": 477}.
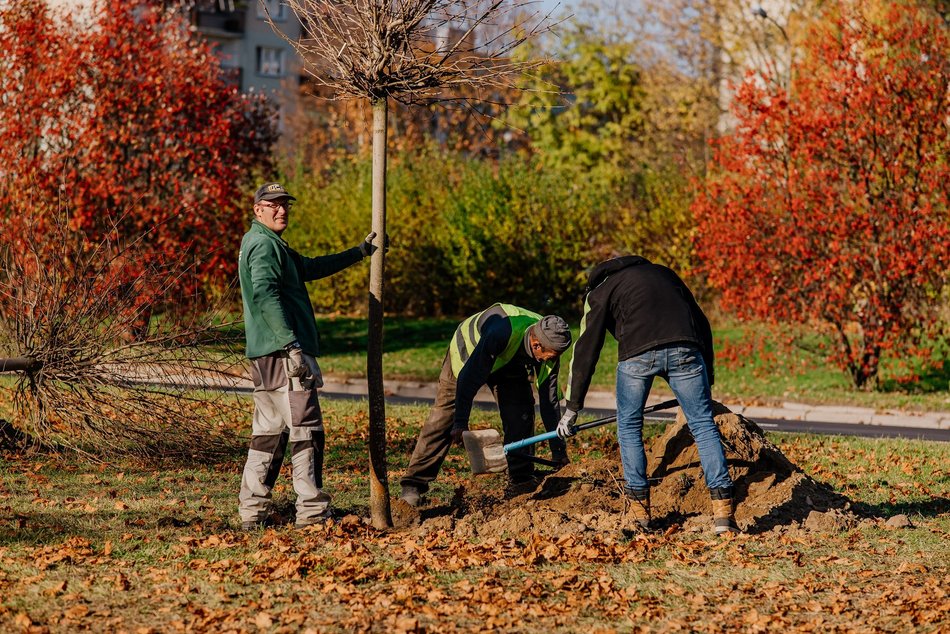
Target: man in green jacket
{"x": 504, "y": 347}
{"x": 282, "y": 345}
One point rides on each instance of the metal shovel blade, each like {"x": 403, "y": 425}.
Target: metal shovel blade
{"x": 486, "y": 451}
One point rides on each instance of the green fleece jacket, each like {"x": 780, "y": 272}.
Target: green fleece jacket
{"x": 277, "y": 309}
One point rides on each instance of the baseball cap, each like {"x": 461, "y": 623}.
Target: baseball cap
{"x": 271, "y": 191}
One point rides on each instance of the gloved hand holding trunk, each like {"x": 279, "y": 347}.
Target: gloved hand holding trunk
{"x": 367, "y": 248}
{"x": 314, "y": 377}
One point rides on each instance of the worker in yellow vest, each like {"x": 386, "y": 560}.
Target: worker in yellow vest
{"x": 504, "y": 347}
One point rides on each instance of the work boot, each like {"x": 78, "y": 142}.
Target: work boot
{"x": 561, "y": 459}
{"x": 521, "y": 485}
{"x": 636, "y": 517}
{"x": 411, "y": 495}
{"x": 724, "y": 520}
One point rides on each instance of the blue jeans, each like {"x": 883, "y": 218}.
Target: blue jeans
{"x": 683, "y": 368}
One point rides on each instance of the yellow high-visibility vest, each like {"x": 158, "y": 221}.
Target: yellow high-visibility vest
{"x": 467, "y": 336}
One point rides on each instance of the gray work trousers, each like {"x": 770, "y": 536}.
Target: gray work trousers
{"x": 511, "y": 387}
{"x": 284, "y": 412}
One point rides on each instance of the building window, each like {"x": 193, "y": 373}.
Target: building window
{"x": 276, "y": 8}
{"x": 270, "y": 61}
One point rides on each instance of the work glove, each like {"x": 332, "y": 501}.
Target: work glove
{"x": 303, "y": 367}
{"x": 367, "y": 248}
{"x": 565, "y": 426}
{"x": 314, "y": 377}
{"x": 296, "y": 365}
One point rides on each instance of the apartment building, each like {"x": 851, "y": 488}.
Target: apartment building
{"x": 255, "y": 57}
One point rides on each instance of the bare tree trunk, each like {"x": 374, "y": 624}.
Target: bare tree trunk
{"x": 378, "y": 480}
{"x": 19, "y": 364}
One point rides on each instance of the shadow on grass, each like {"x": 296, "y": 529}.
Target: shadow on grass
{"x": 935, "y": 378}
{"x": 342, "y": 454}
{"x": 347, "y": 334}
{"x": 43, "y": 528}
{"x": 925, "y": 508}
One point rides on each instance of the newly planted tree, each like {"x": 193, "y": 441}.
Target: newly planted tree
{"x": 829, "y": 201}
{"x": 413, "y": 52}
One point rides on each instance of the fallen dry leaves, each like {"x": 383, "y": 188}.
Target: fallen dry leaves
{"x": 349, "y": 577}
{"x": 159, "y": 553}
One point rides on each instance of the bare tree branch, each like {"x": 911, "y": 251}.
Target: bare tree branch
{"x": 68, "y": 305}
{"x": 415, "y": 51}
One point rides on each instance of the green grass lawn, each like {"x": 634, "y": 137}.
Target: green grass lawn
{"x": 125, "y": 546}
{"x": 788, "y": 365}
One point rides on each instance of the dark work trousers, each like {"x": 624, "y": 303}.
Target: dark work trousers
{"x": 511, "y": 387}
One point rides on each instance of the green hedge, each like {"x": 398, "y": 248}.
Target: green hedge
{"x": 465, "y": 232}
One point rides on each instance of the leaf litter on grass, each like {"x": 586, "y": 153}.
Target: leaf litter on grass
{"x": 550, "y": 559}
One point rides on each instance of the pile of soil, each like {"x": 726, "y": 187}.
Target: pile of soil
{"x": 586, "y": 496}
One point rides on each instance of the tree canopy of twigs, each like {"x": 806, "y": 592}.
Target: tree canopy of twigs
{"x": 68, "y": 304}
{"x": 414, "y": 51}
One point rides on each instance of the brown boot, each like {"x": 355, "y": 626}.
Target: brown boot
{"x": 636, "y": 517}
{"x": 724, "y": 520}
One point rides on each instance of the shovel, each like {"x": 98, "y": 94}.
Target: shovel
{"x": 487, "y": 453}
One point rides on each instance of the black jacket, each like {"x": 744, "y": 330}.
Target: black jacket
{"x": 644, "y": 306}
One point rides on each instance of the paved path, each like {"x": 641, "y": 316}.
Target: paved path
{"x": 789, "y": 416}
{"x": 605, "y": 401}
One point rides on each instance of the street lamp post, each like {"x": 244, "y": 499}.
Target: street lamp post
{"x": 761, "y": 13}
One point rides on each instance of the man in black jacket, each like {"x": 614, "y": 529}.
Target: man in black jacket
{"x": 661, "y": 331}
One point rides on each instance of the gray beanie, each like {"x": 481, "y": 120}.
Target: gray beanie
{"x": 553, "y": 333}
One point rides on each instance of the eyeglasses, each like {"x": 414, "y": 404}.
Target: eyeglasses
{"x": 275, "y": 206}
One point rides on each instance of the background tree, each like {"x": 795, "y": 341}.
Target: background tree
{"x": 124, "y": 117}
{"x": 413, "y": 52}
{"x": 593, "y": 116}
{"x": 328, "y": 131}
{"x": 627, "y": 116}
{"x": 829, "y": 202}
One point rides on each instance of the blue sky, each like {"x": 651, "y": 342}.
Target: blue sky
{"x": 548, "y": 5}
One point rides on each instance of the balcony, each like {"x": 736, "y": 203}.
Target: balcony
{"x": 221, "y": 24}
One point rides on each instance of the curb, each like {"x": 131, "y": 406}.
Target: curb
{"x": 606, "y": 401}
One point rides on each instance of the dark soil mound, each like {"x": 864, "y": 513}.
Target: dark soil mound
{"x": 770, "y": 489}
{"x": 587, "y": 496}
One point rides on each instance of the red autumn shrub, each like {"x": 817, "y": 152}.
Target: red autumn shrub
{"x": 122, "y": 116}
{"x": 829, "y": 202}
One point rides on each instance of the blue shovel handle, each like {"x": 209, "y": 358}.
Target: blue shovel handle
{"x": 527, "y": 442}
{"x": 549, "y": 435}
